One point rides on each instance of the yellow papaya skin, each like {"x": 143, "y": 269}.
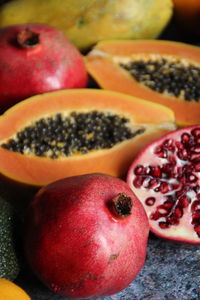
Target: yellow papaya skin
{"x": 86, "y": 22}
{"x": 11, "y": 291}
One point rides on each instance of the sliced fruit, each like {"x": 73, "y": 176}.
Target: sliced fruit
{"x": 165, "y": 176}
{"x": 160, "y": 71}
{"x": 72, "y": 132}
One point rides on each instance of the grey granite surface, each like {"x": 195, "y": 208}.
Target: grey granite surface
{"x": 171, "y": 272}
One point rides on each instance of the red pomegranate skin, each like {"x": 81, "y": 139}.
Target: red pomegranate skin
{"x": 75, "y": 242}
{"x": 51, "y": 63}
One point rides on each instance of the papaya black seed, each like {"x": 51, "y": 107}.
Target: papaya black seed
{"x": 78, "y": 132}
{"x": 165, "y": 76}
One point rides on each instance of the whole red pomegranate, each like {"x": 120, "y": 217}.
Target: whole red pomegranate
{"x": 86, "y": 235}
{"x": 37, "y": 58}
{"x": 165, "y": 177}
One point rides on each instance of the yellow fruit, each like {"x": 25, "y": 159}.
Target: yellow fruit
{"x": 10, "y": 291}
{"x": 86, "y": 22}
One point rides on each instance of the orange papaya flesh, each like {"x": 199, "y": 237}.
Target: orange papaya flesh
{"x": 30, "y": 169}
{"x": 104, "y": 65}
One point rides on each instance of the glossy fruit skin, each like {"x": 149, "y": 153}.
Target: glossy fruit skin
{"x": 51, "y": 64}
{"x": 10, "y": 291}
{"x": 165, "y": 178}
{"x": 85, "y": 22}
{"x": 76, "y": 245}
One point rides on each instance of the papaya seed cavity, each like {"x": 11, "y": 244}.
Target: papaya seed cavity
{"x": 77, "y": 133}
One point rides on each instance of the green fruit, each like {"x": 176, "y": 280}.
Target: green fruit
{"x": 9, "y": 266}
{"x": 86, "y": 22}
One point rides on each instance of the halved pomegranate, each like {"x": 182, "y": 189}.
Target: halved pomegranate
{"x": 165, "y": 176}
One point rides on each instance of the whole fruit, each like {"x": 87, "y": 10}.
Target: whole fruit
{"x": 165, "y": 177}
{"x": 85, "y": 22}
{"x": 10, "y": 291}
{"x": 37, "y": 58}
{"x": 86, "y": 235}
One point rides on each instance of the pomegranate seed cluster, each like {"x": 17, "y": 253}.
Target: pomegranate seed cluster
{"x": 176, "y": 177}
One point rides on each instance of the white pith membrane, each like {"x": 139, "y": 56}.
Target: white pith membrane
{"x": 136, "y": 129}
{"x": 176, "y": 185}
{"x": 171, "y": 61}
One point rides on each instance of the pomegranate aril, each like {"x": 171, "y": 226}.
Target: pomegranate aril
{"x": 160, "y": 152}
{"x": 182, "y": 179}
{"x": 164, "y": 188}
{"x": 163, "y": 211}
{"x": 195, "y": 149}
{"x": 155, "y": 171}
{"x": 197, "y": 228}
{"x": 139, "y": 170}
{"x": 191, "y": 178}
{"x": 183, "y": 154}
{"x": 168, "y": 204}
{"x": 172, "y": 160}
{"x": 169, "y": 145}
{"x": 179, "y": 170}
{"x": 181, "y": 192}
{"x": 175, "y": 186}
{"x": 197, "y": 167}
{"x": 178, "y": 212}
{"x": 138, "y": 181}
{"x": 196, "y": 132}
{"x": 188, "y": 168}
{"x": 195, "y": 157}
{"x": 195, "y": 205}
{"x": 179, "y": 145}
{"x": 184, "y": 201}
{"x": 153, "y": 183}
{"x": 196, "y": 217}
{"x": 150, "y": 201}
{"x": 155, "y": 216}
{"x": 164, "y": 225}
{"x": 167, "y": 169}
{"x": 185, "y": 137}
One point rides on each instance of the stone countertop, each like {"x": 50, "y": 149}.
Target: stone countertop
{"x": 171, "y": 272}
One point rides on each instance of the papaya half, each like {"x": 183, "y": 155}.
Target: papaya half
{"x": 164, "y": 72}
{"x": 70, "y": 132}
{"x": 86, "y": 22}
